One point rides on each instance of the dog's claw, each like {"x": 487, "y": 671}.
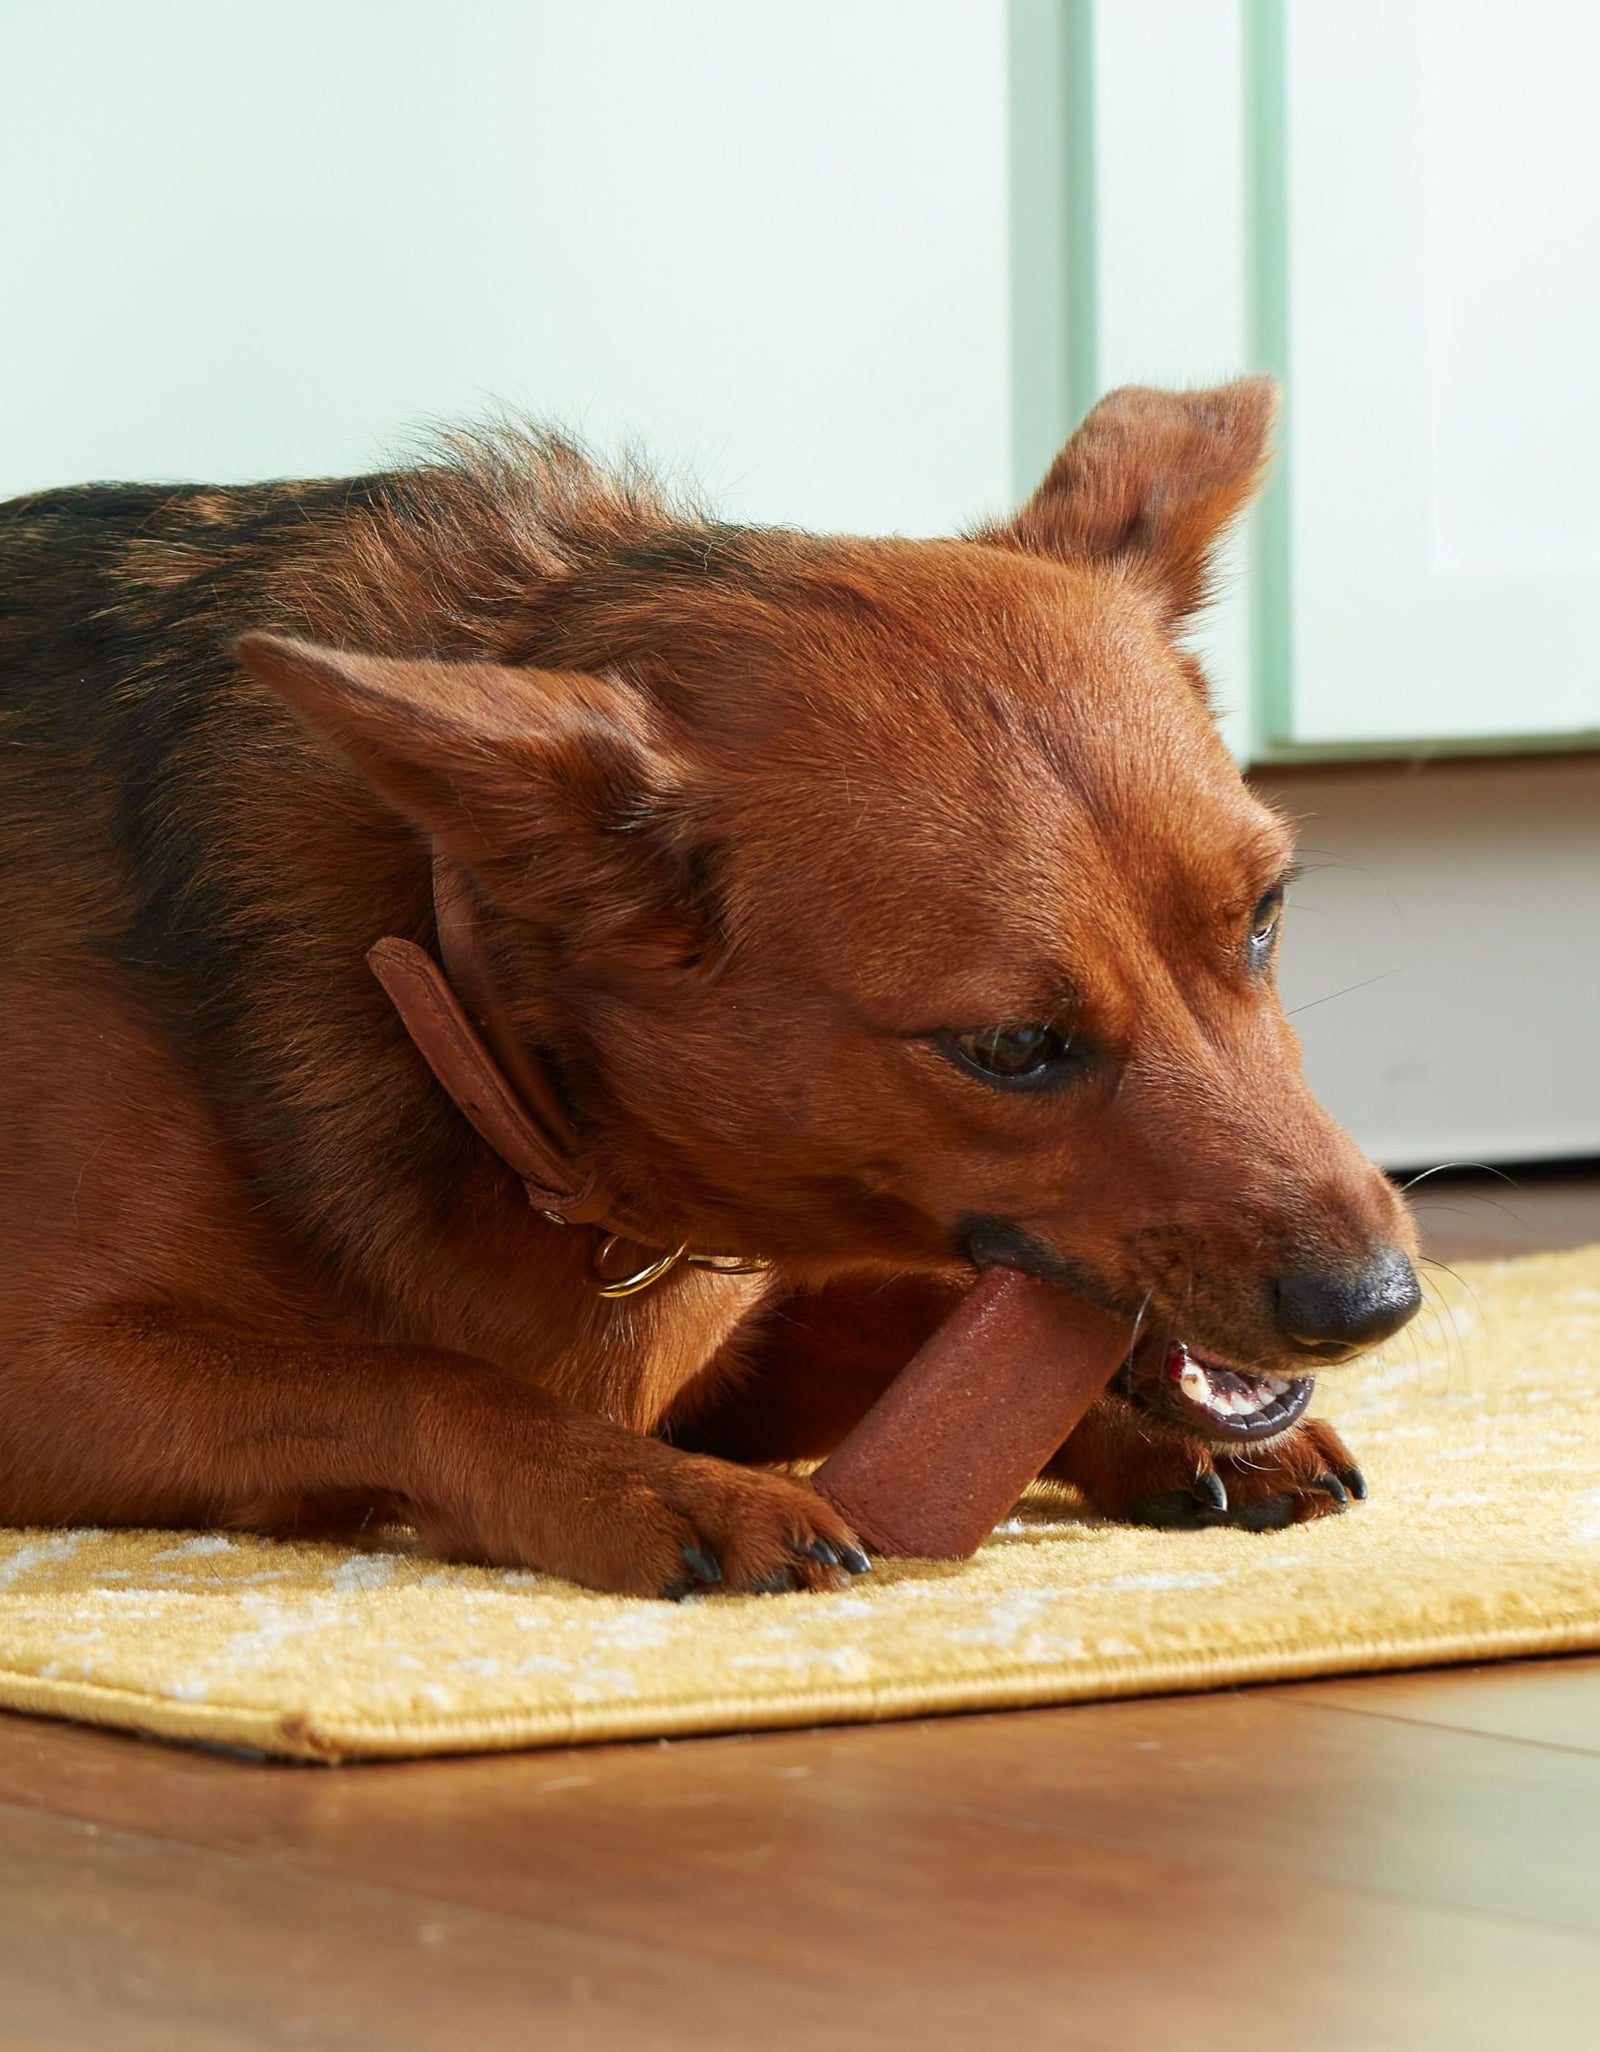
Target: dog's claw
{"x": 1210, "y": 1492}
{"x": 1355, "y": 1482}
{"x": 854, "y": 1561}
{"x": 675, "y": 1592}
{"x": 701, "y": 1563}
{"x": 818, "y": 1549}
{"x": 1330, "y": 1485}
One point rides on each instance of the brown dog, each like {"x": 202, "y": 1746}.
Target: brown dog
{"x": 871, "y": 909}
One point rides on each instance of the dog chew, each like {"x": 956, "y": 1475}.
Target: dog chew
{"x": 973, "y": 1417}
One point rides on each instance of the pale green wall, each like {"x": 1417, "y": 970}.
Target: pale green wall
{"x": 269, "y": 236}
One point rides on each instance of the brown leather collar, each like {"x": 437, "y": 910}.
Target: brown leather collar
{"x": 504, "y": 1091}
{"x": 507, "y": 1095}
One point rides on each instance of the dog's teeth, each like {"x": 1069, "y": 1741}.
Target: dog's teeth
{"x": 1195, "y": 1383}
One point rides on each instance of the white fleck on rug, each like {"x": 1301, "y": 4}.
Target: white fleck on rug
{"x": 1479, "y": 1431}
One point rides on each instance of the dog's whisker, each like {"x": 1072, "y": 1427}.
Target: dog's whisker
{"x": 1457, "y": 1374}
{"x": 1434, "y": 1209}
{"x": 1429, "y": 1261}
{"x": 1382, "y": 977}
{"x": 1440, "y": 1328}
{"x": 1445, "y": 1313}
{"x": 1446, "y": 1168}
{"x": 1138, "y": 1319}
{"x": 1333, "y": 859}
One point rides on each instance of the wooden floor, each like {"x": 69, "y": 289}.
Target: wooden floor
{"x": 1408, "y": 1861}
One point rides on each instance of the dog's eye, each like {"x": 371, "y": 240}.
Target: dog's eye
{"x": 1264, "y": 921}
{"x": 1019, "y": 1057}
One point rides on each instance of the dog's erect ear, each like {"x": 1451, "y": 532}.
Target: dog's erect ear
{"x": 490, "y": 760}
{"x": 553, "y": 786}
{"x": 1152, "y": 480}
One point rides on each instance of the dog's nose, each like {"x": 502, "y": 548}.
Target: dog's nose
{"x": 1339, "y": 1311}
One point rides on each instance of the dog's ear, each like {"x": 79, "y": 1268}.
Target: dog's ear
{"x": 556, "y": 788}
{"x": 1152, "y": 480}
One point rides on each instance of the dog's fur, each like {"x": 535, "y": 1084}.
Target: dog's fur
{"x": 755, "y": 817}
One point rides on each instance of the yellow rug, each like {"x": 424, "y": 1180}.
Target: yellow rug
{"x": 1479, "y": 1432}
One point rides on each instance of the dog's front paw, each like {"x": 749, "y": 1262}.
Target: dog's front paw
{"x": 746, "y": 1532}
{"x": 542, "y": 1487}
{"x": 1128, "y": 1465}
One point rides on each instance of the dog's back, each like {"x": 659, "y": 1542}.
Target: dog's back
{"x": 114, "y": 604}
{"x": 137, "y": 893}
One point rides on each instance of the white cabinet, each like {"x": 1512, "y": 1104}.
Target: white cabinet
{"x": 1396, "y": 205}
{"x": 1441, "y": 279}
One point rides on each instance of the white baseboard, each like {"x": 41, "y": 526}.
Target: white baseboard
{"x": 1441, "y": 956}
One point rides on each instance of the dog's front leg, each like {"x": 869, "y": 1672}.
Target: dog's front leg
{"x": 134, "y": 1418}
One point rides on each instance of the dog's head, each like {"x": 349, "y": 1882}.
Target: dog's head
{"x": 896, "y": 903}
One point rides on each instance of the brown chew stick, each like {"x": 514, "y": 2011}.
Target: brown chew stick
{"x": 973, "y": 1416}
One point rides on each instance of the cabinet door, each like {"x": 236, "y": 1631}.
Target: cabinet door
{"x": 1395, "y": 204}
{"x": 1431, "y": 264}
